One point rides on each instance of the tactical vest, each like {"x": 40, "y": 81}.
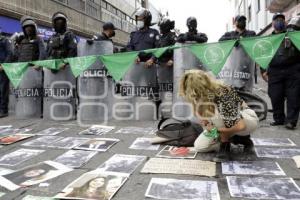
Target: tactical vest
{"x": 58, "y": 46}
{"x": 28, "y": 50}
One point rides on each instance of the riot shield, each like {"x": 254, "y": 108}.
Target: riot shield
{"x": 59, "y": 94}
{"x": 28, "y": 96}
{"x": 165, "y": 85}
{"x": 184, "y": 60}
{"x": 138, "y": 94}
{"x": 95, "y": 86}
{"x": 238, "y": 70}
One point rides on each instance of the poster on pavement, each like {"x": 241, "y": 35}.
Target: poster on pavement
{"x": 144, "y": 144}
{"x": 176, "y": 152}
{"x": 252, "y": 168}
{"x": 273, "y": 142}
{"x": 97, "y": 130}
{"x": 180, "y": 166}
{"x": 75, "y": 158}
{"x": 120, "y": 163}
{"x": 93, "y": 185}
{"x": 98, "y": 144}
{"x": 262, "y": 188}
{"x": 19, "y": 156}
{"x": 175, "y": 189}
{"x": 33, "y": 174}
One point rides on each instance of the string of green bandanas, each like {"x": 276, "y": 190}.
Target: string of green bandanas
{"x": 212, "y": 55}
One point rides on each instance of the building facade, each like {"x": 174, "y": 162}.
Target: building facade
{"x": 259, "y": 12}
{"x": 85, "y": 17}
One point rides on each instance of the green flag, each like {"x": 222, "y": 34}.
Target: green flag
{"x": 15, "y": 72}
{"x": 157, "y": 52}
{"x": 295, "y": 37}
{"x": 213, "y": 55}
{"x": 118, "y": 64}
{"x": 80, "y": 64}
{"x": 50, "y": 64}
{"x": 262, "y": 49}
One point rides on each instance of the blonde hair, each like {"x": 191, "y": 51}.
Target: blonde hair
{"x": 200, "y": 89}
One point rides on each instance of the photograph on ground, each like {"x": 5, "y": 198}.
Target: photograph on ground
{"x": 75, "y": 158}
{"x": 144, "y": 144}
{"x": 33, "y": 174}
{"x": 273, "y": 142}
{"x": 97, "y": 130}
{"x": 14, "y": 138}
{"x": 93, "y": 185}
{"x": 68, "y": 143}
{"x": 175, "y": 189}
{"x": 43, "y": 141}
{"x": 19, "y": 156}
{"x": 263, "y": 188}
{"x": 51, "y": 131}
{"x": 136, "y": 130}
{"x": 121, "y": 163}
{"x": 176, "y": 152}
{"x": 98, "y": 144}
{"x": 269, "y": 152}
{"x": 252, "y": 168}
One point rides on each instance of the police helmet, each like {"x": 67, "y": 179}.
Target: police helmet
{"x": 146, "y": 14}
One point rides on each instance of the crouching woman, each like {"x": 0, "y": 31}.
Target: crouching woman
{"x": 220, "y": 109}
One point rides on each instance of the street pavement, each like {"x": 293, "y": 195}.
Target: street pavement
{"x": 135, "y": 187}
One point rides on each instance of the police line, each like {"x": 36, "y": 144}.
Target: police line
{"x": 213, "y": 55}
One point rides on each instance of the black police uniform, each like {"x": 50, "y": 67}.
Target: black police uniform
{"x": 142, "y": 40}
{"x": 233, "y": 35}
{"x": 165, "y": 40}
{"x": 192, "y": 36}
{"x": 284, "y": 83}
{"x": 30, "y": 49}
{"x": 5, "y": 56}
{"x": 62, "y": 45}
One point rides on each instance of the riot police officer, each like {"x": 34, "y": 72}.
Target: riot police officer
{"x": 192, "y": 34}
{"x": 107, "y": 33}
{"x": 283, "y": 76}
{"x": 144, "y": 38}
{"x": 30, "y": 46}
{"x": 63, "y": 43}
{"x": 5, "y": 56}
{"x": 167, "y": 38}
{"x": 240, "y": 23}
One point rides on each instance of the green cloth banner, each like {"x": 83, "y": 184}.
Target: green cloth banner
{"x": 213, "y": 55}
{"x": 295, "y": 38}
{"x": 118, "y": 64}
{"x": 262, "y": 49}
{"x": 80, "y": 64}
{"x": 15, "y": 72}
{"x": 50, "y": 64}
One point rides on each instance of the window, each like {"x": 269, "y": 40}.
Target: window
{"x": 104, "y": 4}
{"x": 250, "y": 13}
{"x": 258, "y": 6}
{"x": 268, "y": 2}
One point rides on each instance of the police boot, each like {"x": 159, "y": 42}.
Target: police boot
{"x": 290, "y": 126}
{"x": 3, "y": 114}
{"x": 223, "y": 154}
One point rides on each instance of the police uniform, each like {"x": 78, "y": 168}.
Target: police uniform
{"x": 142, "y": 40}
{"x": 5, "y": 56}
{"x": 31, "y": 49}
{"x": 284, "y": 83}
{"x": 165, "y": 40}
{"x": 62, "y": 46}
{"x": 192, "y": 37}
{"x": 233, "y": 35}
